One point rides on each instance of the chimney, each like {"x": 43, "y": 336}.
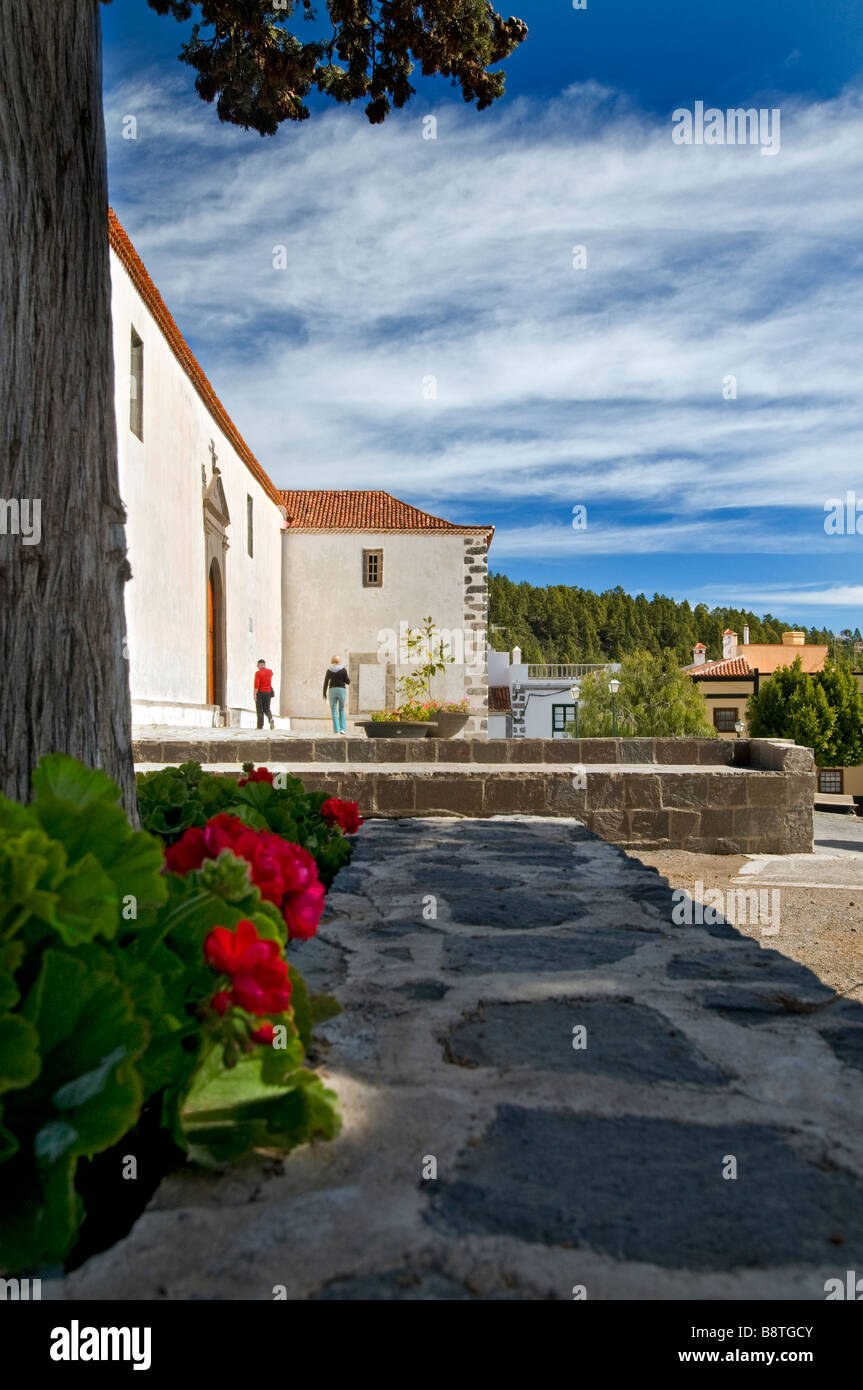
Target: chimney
{"x": 746, "y": 637}
{"x": 729, "y": 644}
{"x": 516, "y": 656}
{"x": 794, "y": 639}
{"x": 699, "y": 654}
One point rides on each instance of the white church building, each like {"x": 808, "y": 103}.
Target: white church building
{"x": 227, "y": 568}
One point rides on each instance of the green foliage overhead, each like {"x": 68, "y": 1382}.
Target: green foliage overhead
{"x": 655, "y": 700}
{"x": 562, "y": 623}
{"x": 823, "y": 712}
{"x": 260, "y": 59}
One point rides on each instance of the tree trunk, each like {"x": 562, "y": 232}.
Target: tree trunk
{"x": 64, "y": 680}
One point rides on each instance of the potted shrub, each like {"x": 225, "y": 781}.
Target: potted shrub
{"x": 449, "y": 718}
{"x": 411, "y": 720}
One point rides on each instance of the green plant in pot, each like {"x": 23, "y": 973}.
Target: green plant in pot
{"x": 426, "y": 648}
{"x": 450, "y": 717}
{"x": 415, "y": 717}
{"x": 410, "y": 720}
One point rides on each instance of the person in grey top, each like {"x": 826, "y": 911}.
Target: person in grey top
{"x": 336, "y": 681}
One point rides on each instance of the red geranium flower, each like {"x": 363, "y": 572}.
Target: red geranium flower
{"x": 343, "y": 813}
{"x": 259, "y": 975}
{"x": 197, "y": 844}
{"x": 257, "y": 774}
{"x": 264, "y": 990}
{"x": 265, "y": 1034}
{"x": 232, "y": 951}
{"x": 221, "y": 1002}
{"x": 285, "y": 874}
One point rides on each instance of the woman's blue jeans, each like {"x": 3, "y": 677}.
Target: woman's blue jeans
{"x": 336, "y": 696}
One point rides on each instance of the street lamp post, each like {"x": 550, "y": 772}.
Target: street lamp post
{"x": 614, "y": 686}
{"x": 575, "y": 691}
{"x": 739, "y": 726}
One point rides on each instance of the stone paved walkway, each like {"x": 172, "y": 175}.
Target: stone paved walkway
{"x": 556, "y": 1166}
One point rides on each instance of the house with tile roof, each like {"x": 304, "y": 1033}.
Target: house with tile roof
{"x": 728, "y": 682}
{"x": 228, "y": 568}
{"x": 359, "y": 570}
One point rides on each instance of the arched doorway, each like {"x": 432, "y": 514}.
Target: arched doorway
{"x": 216, "y": 665}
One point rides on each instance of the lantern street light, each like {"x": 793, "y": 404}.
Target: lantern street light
{"x": 614, "y": 686}
{"x": 575, "y": 691}
{"x": 739, "y": 726}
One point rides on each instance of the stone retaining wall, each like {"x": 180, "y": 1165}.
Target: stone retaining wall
{"x": 733, "y": 811}
{"x": 221, "y": 746}
{"x": 752, "y": 796}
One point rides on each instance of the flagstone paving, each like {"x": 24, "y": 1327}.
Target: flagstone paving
{"x": 546, "y": 1086}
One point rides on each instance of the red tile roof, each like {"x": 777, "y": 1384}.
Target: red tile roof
{"x": 324, "y": 509}
{"x": 718, "y": 670}
{"x": 763, "y": 657}
{"x": 137, "y": 273}
{"x": 499, "y": 700}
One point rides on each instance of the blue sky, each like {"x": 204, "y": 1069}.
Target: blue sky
{"x": 433, "y": 332}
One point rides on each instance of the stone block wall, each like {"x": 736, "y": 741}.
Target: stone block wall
{"x": 751, "y": 796}
{"x": 736, "y": 812}
{"x": 476, "y": 624}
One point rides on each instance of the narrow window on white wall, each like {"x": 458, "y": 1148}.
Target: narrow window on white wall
{"x": 373, "y": 569}
{"x": 136, "y": 387}
{"x": 250, "y": 524}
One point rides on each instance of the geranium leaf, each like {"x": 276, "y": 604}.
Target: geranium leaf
{"x": 20, "y": 1062}
{"x": 64, "y": 778}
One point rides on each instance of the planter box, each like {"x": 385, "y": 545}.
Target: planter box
{"x": 447, "y": 725}
{"x": 407, "y": 728}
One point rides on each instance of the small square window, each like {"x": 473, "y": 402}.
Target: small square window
{"x": 830, "y": 781}
{"x": 373, "y": 569}
{"x": 250, "y": 524}
{"x": 725, "y": 719}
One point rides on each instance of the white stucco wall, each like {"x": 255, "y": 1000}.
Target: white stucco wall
{"x": 499, "y": 668}
{"x": 537, "y": 712}
{"x": 327, "y": 610}
{"x": 160, "y": 482}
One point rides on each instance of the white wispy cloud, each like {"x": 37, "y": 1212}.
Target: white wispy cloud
{"x": 560, "y": 540}
{"x": 823, "y": 596}
{"x": 410, "y": 259}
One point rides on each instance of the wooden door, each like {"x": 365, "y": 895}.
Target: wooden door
{"x": 211, "y": 645}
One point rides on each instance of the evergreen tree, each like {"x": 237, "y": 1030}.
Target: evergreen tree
{"x": 576, "y": 625}
{"x": 823, "y": 712}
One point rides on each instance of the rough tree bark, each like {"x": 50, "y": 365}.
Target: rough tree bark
{"x": 64, "y": 684}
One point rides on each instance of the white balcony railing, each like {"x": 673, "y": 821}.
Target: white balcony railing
{"x": 567, "y": 671}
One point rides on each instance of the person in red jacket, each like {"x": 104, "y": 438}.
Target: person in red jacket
{"x": 263, "y": 693}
